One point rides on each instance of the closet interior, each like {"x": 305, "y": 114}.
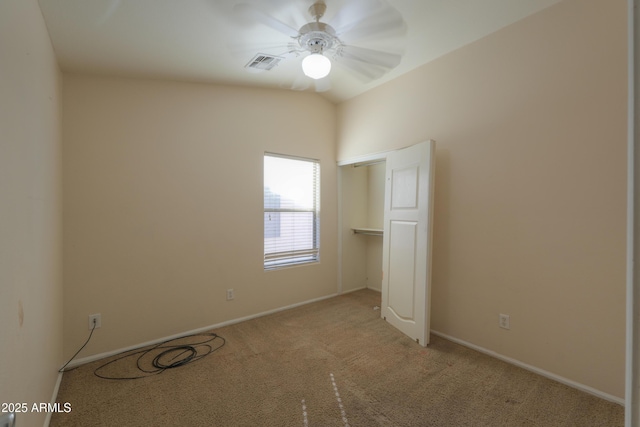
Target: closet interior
{"x": 362, "y": 212}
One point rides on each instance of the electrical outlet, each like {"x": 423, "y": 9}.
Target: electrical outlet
{"x": 504, "y": 321}
{"x": 230, "y": 294}
{"x": 95, "y": 320}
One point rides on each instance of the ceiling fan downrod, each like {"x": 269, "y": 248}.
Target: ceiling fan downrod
{"x": 317, "y": 10}
{"x": 317, "y": 37}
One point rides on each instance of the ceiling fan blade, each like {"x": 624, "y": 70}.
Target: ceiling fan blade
{"x": 351, "y": 13}
{"x": 252, "y": 13}
{"x": 111, "y": 10}
{"x": 368, "y": 19}
{"x": 369, "y": 56}
{"x": 323, "y": 85}
{"x": 365, "y": 72}
{"x": 375, "y": 28}
{"x": 276, "y": 49}
{"x": 300, "y": 83}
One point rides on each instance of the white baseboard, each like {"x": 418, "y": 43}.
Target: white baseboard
{"x": 47, "y": 419}
{"x": 359, "y": 289}
{"x": 99, "y": 356}
{"x": 542, "y": 372}
{"x": 353, "y": 290}
{"x": 536, "y": 370}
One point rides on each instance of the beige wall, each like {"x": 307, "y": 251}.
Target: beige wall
{"x": 362, "y": 206}
{"x": 30, "y": 210}
{"x": 163, "y": 205}
{"x": 530, "y": 196}
{"x": 530, "y": 124}
{"x": 353, "y": 211}
{"x": 375, "y": 213}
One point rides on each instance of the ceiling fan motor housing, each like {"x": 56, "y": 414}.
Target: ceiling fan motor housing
{"x": 317, "y": 37}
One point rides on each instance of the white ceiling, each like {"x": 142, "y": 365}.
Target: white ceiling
{"x": 204, "y": 41}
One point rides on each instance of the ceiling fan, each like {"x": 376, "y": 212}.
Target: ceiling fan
{"x": 322, "y": 43}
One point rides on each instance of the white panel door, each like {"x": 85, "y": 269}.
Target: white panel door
{"x": 406, "y": 250}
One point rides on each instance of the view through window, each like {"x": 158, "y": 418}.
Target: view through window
{"x": 291, "y": 210}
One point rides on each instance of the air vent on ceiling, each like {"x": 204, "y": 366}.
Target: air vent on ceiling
{"x": 263, "y": 62}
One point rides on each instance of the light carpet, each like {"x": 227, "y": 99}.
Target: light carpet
{"x": 331, "y": 363}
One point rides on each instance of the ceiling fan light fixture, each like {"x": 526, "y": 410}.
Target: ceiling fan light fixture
{"x": 316, "y": 66}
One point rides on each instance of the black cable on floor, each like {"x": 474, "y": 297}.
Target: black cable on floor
{"x": 83, "y": 346}
{"x": 167, "y": 356}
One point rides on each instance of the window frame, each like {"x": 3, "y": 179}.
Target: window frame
{"x": 284, "y": 259}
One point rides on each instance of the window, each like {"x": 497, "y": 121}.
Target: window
{"x": 291, "y": 211}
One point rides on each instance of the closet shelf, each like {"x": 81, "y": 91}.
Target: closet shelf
{"x": 369, "y": 231}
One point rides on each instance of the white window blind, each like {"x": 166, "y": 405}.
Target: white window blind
{"x": 291, "y": 210}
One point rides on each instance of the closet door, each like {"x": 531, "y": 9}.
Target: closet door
{"x": 406, "y": 263}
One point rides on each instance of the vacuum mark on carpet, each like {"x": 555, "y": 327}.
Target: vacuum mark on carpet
{"x": 304, "y": 414}
{"x": 342, "y": 411}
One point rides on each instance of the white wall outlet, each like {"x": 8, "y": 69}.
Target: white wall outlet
{"x": 95, "y": 320}
{"x": 230, "y": 294}
{"x": 504, "y": 321}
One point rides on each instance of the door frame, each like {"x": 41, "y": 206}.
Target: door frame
{"x": 361, "y": 160}
{"x": 632, "y": 350}
{"x": 358, "y": 160}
